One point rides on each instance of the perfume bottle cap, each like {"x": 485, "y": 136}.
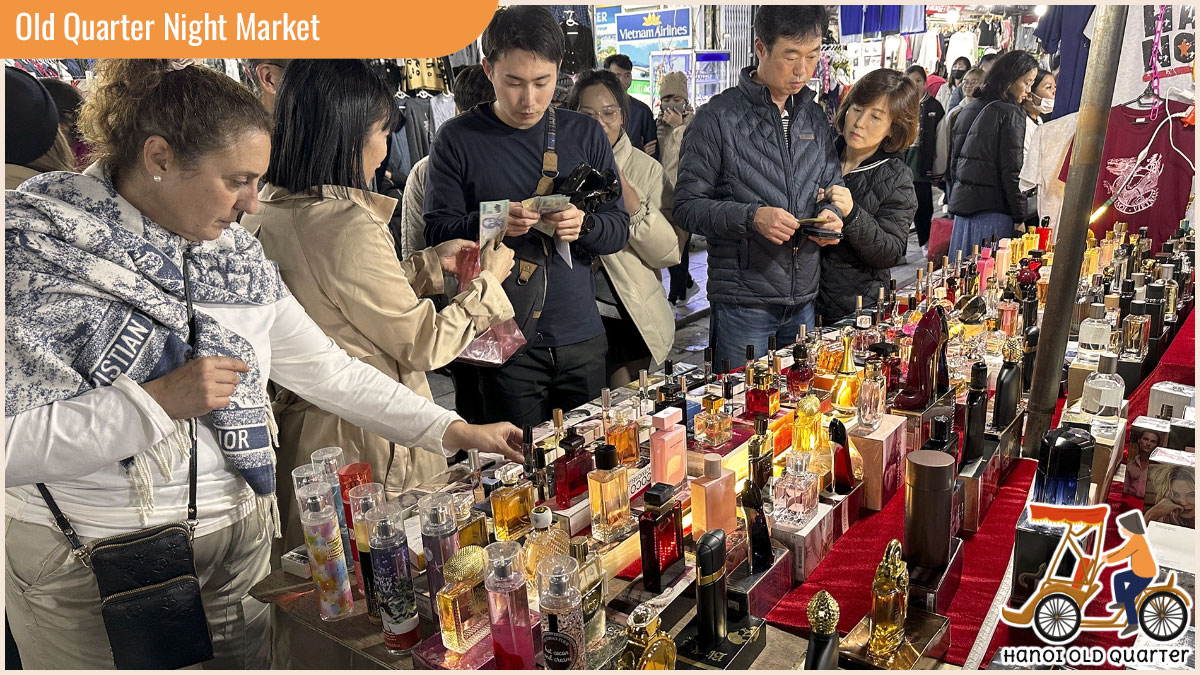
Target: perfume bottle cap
{"x": 760, "y": 424}
{"x": 539, "y": 460}
{"x": 797, "y": 462}
{"x": 643, "y": 380}
{"x": 762, "y": 375}
{"x": 724, "y": 366}
{"x": 512, "y": 473}
{"x": 873, "y": 367}
{"x": 386, "y": 523}
{"x": 644, "y": 621}
{"x": 365, "y": 497}
{"x": 606, "y": 457}
{"x": 1139, "y": 279}
{"x": 823, "y": 610}
{"x": 581, "y": 548}
{"x": 666, "y": 418}
{"x": 1137, "y": 308}
{"x": 682, "y": 383}
{"x": 772, "y": 344}
{"x": 659, "y": 495}
{"x": 979, "y": 375}
{"x": 708, "y": 354}
{"x": 573, "y": 441}
{"x": 669, "y": 367}
{"x": 1096, "y": 310}
{"x": 314, "y": 497}
{"x": 330, "y": 458}
{"x": 504, "y": 559}
{"x": 1156, "y": 291}
{"x": 710, "y": 553}
{"x": 712, "y": 465}
{"x": 940, "y": 428}
{"x": 541, "y": 517}
{"x": 1066, "y": 451}
{"x": 1013, "y": 350}
{"x": 749, "y": 352}
{"x": 473, "y": 459}
{"x": 810, "y": 405}
{"x": 929, "y": 470}
{"x": 1126, "y": 286}
{"x": 465, "y": 565}
{"x": 437, "y": 512}
{"x": 884, "y": 349}
{"x": 557, "y": 414}
{"x": 606, "y": 397}
{"x": 527, "y": 435}
{"x": 1168, "y": 271}
{"x": 463, "y": 501}
{"x": 727, "y": 389}
{"x": 799, "y": 354}
{"x": 556, "y": 575}
{"x": 1108, "y": 363}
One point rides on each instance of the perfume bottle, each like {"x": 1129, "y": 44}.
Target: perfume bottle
{"x": 800, "y": 375}
{"x": 763, "y": 397}
{"x": 328, "y": 461}
{"x": 1008, "y": 385}
{"x": 1171, "y": 291}
{"x": 749, "y": 369}
{"x": 929, "y": 477}
{"x": 1135, "y": 332}
{"x": 844, "y": 473}
{"x": 1103, "y": 391}
{"x": 823, "y": 640}
{"x": 478, "y": 494}
{"x": 644, "y": 402}
{"x": 754, "y": 511}
{"x": 508, "y": 607}
{"x": 1094, "y": 335}
{"x": 942, "y": 438}
{"x": 393, "y": 579}
{"x": 1008, "y": 317}
{"x": 708, "y": 368}
{"x": 471, "y": 523}
{"x": 1064, "y": 462}
{"x": 844, "y": 392}
{"x": 714, "y": 426}
{"x": 527, "y": 449}
{"x": 646, "y": 646}
{"x": 511, "y": 503}
{"x": 976, "y": 413}
{"x": 439, "y": 535}
{"x": 714, "y": 504}
{"x": 806, "y": 430}
{"x": 550, "y": 443}
{"x": 462, "y": 602}
{"x": 563, "y": 643}
{"x": 872, "y": 395}
{"x": 762, "y": 452}
{"x": 593, "y": 585}
{"x": 622, "y": 435}
{"x": 711, "y": 589}
{"x": 327, "y": 560}
{"x": 306, "y": 474}
{"x": 889, "y": 603}
{"x": 542, "y": 478}
{"x": 661, "y": 533}
{"x": 363, "y": 499}
{"x": 862, "y": 337}
{"x": 668, "y": 394}
{"x": 571, "y": 470}
{"x": 608, "y": 490}
{"x": 545, "y": 540}
{"x": 892, "y": 370}
{"x": 1031, "y": 333}
{"x": 668, "y": 448}
{"x": 797, "y": 492}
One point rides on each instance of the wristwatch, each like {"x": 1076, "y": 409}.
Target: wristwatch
{"x": 588, "y": 223}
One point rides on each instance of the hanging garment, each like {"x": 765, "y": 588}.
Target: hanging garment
{"x": 1061, "y": 29}
{"x": 1157, "y": 192}
{"x": 418, "y": 125}
{"x": 467, "y": 56}
{"x": 850, "y": 20}
{"x": 890, "y": 19}
{"x": 1043, "y": 166}
{"x": 424, "y": 74}
{"x": 580, "y": 54}
{"x": 989, "y": 33}
{"x": 442, "y": 107}
{"x": 912, "y": 19}
{"x": 962, "y": 43}
{"x": 1176, "y": 51}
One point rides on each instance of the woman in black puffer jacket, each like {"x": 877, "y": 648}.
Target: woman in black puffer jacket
{"x": 987, "y": 151}
{"x": 878, "y": 121}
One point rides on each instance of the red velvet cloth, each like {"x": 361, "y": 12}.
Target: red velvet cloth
{"x": 848, "y": 570}
{"x": 1178, "y": 364}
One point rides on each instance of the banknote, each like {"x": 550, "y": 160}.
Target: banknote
{"x": 544, "y": 204}
{"x": 493, "y": 220}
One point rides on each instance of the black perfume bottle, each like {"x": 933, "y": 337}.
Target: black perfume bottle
{"x": 942, "y": 437}
{"x": 1064, "y": 470}
{"x": 976, "y": 417}
{"x": 1008, "y": 385}
{"x": 711, "y": 587}
{"x": 1031, "y": 333}
{"x": 754, "y": 512}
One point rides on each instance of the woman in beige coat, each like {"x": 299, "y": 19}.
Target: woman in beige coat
{"x": 330, "y": 237}
{"x": 629, "y": 292}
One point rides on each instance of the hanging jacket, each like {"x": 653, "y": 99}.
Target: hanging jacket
{"x": 875, "y": 235}
{"x": 734, "y": 160}
{"x": 986, "y": 153}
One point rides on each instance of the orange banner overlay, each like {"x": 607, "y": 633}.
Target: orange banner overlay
{"x": 295, "y": 29}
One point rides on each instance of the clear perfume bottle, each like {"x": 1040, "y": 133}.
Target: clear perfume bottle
{"x": 545, "y": 540}
{"x": 563, "y": 643}
{"x": 872, "y": 395}
{"x": 844, "y": 393}
{"x": 512, "y": 503}
{"x": 1103, "y": 391}
{"x": 471, "y": 523}
{"x": 478, "y": 494}
{"x": 1135, "y": 332}
{"x": 608, "y": 490}
{"x": 714, "y": 502}
{"x": 508, "y": 607}
{"x": 797, "y": 492}
{"x": 1008, "y": 312}
{"x": 462, "y": 602}
{"x": 714, "y": 426}
{"x": 623, "y": 435}
{"x": 593, "y": 586}
{"x": 439, "y": 535}
{"x": 661, "y": 533}
{"x": 1094, "y": 335}
{"x": 1171, "y": 295}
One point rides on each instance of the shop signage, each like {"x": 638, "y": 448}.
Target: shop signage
{"x": 664, "y": 24}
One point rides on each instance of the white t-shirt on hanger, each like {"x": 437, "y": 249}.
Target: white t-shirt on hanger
{"x": 1134, "y": 71}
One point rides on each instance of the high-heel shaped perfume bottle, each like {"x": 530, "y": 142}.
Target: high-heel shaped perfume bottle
{"x": 844, "y": 392}
{"x": 943, "y": 361}
{"x": 922, "y": 367}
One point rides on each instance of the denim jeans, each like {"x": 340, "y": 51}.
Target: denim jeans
{"x": 732, "y": 327}
{"x": 1125, "y": 587}
{"x": 526, "y": 390}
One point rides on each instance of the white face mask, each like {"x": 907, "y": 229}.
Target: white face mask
{"x": 1046, "y": 106}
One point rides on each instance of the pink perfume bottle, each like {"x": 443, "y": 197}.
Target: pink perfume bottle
{"x": 668, "y": 446}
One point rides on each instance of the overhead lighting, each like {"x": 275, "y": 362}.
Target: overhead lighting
{"x": 1040, "y": 10}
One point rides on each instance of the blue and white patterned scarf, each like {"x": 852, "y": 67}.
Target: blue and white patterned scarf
{"x": 94, "y": 290}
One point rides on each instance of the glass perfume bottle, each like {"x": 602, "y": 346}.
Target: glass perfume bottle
{"x": 800, "y": 375}
{"x": 512, "y": 503}
{"x": 471, "y": 523}
{"x": 571, "y": 470}
{"x": 545, "y": 540}
{"x": 714, "y": 503}
{"x": 872, "y": 395}
{"x": 1171, "y": 291}
{"x": 393, "y": 579}
{"x": 462, "y": 602}
{"x": 864, "y": 337}
{"x": 830, "y": 353}
{"x": 762, "y": 452}
{"x": 764, "y": 397}
{"x": 668, "y": 393}
{"x": 668, "y": 448}
{"x": 796, "y": 493}
{"x": 563, "y": 643}
{"x": 542, "y": 476}
{"x": 439, "y": 535}
{"x": 646, "y": 646}
{"x": 1135, "y": 332}
{"x": 1008, "y": 312}
{"x": 889, "y": 603}
{"x": 844, "y": 392}
{"x": 714, "y": 426}
{"x": 608, "y": 490}
{"x": 1094, "y": 335}
{"x": 1103, "y": 391}
{"x": 323, "y": 539}
{"x": 593, "y": 585}
{"x": 806, "y": 429}
{"x": 550, "y": 443}
{"x": 623, "y": 435}
{"x": 478, "y": 494}
{"x": 328, "y": 461}
{"x": 661, "y": 533}
{"x": 508, "y": 607}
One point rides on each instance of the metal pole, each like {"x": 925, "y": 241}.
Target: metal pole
{"x": 1098, "y": 84}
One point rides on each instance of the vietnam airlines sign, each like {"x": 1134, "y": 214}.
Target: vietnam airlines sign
{"x": 662, "y": 24}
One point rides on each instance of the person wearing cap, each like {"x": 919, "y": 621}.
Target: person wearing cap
{"x": 1143, "y": 569}
{"x": 33, "y": 142}
{"x": 675, "y": 113}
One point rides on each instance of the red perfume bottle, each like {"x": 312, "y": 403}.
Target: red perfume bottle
{"x": 922, "y": 364}
{"x": 764, "y": 397}
{"x": 800, "y": 374}
{"x": 661, "y": 531}
{"x": 571, "y": 470}
{"x": 839, "y": 449}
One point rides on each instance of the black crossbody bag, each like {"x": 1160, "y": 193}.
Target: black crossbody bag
{"x": 149, "y": 593}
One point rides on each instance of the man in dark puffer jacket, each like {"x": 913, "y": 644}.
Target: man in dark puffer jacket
{"x": 753, "y": 161}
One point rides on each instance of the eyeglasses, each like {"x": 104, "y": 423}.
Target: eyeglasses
{"x": 608, "y": 114}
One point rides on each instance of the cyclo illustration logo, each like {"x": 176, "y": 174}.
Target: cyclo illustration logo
{"x": 1057, "y": 610}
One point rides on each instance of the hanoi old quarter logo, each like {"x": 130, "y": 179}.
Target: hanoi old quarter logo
{"x": 1058, "y": 610}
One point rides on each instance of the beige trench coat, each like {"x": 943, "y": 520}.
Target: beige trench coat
{"x": 338, "y": 258}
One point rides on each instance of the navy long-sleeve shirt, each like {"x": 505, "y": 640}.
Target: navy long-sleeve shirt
{"x": 476, "y": 158}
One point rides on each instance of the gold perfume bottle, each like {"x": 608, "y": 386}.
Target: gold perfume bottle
{"x": 646, "y": 646}
{"x": 462, "y": 602}
{"x": 512, "y": 503}
{"x": 714, "y": 426}
{"x": 844, "y": 392}
{"x": 471, "y": 523}
{"x": 622, "y": 434}
{"x": 806, "y": 427}
{"x": 608, "y": 492}
{"x": 544, "y": 541}
{"x": 889, "y": 603}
